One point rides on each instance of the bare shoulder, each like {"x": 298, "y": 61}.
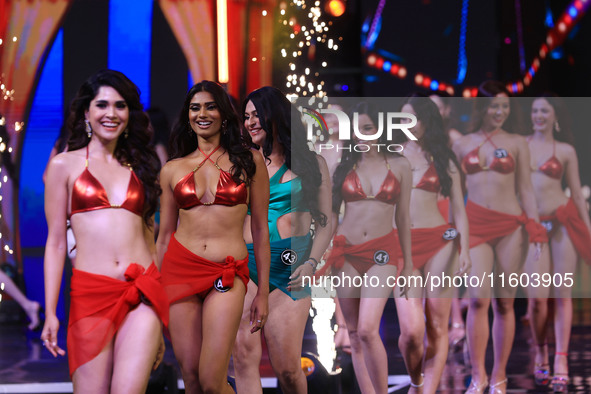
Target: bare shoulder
{"x": 519, "y": 141}
{"x": 565, "y": 148}
{"x": 399, "y": 162}
{"x": 67, "y": 161}
{"x": 461, "y": 143}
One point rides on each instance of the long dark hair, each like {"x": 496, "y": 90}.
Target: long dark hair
{"x": 135, "y": 149}
{"x": 435, "y": 141}
{"x": 350, "y": 156}
{"x": 560, "y": 111}
{"x": 183, "y": 139}
{"x": 487, "y": 91}
{"x": 275, "y": 114}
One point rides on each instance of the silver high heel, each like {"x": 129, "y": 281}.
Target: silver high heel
{"x": 476, "y": 388}
{"x": 494, "y": 388}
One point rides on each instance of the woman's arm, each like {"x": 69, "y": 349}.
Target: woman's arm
{"x": 323, "y": 234}
{"x": 402, "y": 216}
{"x": 169, "y": 213}
{"x": 460, "y": 217}
{"x": 523, "y": 180}
{"x": 149, "y": 238}
{"x": 56, "y": 205}
{"x": 573, "y": 181}
{"x": 259, "y": 226}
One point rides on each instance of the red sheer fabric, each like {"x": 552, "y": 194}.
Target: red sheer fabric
{"x": 363, "y": 256}
{"x": 568, "y": 216}
{"x": 426, "y": 242}
{"x": 490, "y": 226}
{"x": 185, "y": 274}
{"x": 100, "y": 303}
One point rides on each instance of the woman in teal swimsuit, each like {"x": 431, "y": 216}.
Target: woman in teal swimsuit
{"x": 299, "y": 198}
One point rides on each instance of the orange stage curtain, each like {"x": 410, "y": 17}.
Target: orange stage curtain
{"x": 34, "y": 23}
{"x": 193, "y": 24}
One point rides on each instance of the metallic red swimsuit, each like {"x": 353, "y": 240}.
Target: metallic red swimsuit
{"x": 227, "y": 191}
{"x": 88, "y": 194}
{"x": 502, "y": 163}
{"x": 353, "y": 191}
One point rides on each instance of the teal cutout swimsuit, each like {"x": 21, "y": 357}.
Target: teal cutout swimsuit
{"x": 289, "y": 253}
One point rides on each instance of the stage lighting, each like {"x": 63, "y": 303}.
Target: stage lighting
{"x": 335, "y": 8}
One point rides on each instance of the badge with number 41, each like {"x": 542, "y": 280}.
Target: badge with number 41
{"x": 381, "y": 257}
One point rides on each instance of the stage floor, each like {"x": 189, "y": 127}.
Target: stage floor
{"x": 26, "y": 367}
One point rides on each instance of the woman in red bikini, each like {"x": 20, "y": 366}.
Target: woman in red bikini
{"x": 207, "y": 186}
{"x": 371, "y": 184}
{"x": 106, "y": 185}
{"x": 553, "y": 158}
{"x": 434, "y": 242}
{"x": 496, "y": 164}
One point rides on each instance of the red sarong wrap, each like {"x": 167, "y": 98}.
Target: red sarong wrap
{"x": 185, "y": 274}
{"x": 100, "y": 303}
{"x": 568, "y": 216}
{"x": 362, "y": 256}
{"x": 426, "y": 242}
{"x": 490, "y": 226}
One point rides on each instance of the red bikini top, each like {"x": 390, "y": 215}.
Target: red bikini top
{"x": 88, "y": 194}
{"x": 551, "y": 167}
{"x": 228, "y": 192}
{"x": 429, "y": 181}
{"x": 503, "y": 161}
{"x": 353, "y": 191}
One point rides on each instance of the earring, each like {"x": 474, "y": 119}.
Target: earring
{"x": 556, "y": 126}
{"x": 126, "y": 133}
{"x": 88, "y": 129}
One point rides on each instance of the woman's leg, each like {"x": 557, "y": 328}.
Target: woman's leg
{"x": 341, "y": 338}
{"x": 458, "y": 329}
{"x": 510, "y": 252}
{"x": 371, "y": 308}
{"x": 31, "y": 308}
{"x": 412, "y": 335}
{"x": 482, "y": 257}
{"x": 221, "y": 318}
{"x": 284, "y": 333}
{"x": 349, "y": 299}
{"x": 135, "y": 349}
{"x": 537, "y": 311}
{"x": 564, "y": 260}
{"x": 94, "y": 377}
{"x": 186, "y": 337}
{"x": 247, "y": 351}
{"x": 437, "y": 311}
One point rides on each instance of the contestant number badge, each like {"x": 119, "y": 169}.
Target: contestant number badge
{"x": 289, "y": 257}
{"x": 381, "y": 257}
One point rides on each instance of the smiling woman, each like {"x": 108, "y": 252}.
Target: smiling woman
{"x": 212, "y": 178}
{"x": 106, "y": 185}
